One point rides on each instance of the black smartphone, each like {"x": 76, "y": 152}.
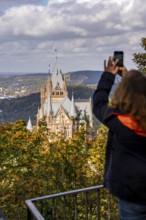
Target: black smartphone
{"x": 120, "y": 56}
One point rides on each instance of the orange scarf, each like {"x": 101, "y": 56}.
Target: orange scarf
{"x": 131, "y": 124}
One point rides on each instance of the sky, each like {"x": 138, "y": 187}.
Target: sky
{"x": 80, "y": 33}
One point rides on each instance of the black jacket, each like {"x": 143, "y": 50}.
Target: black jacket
{"x": 125, "y": 167}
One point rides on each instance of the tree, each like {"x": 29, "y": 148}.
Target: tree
{"x": 31, "y": 166}
{"x": 21, "y": 169}
{"x": 140, "y": 58}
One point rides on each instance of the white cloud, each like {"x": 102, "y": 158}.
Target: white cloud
{"x": 76, "y": 27}
{"x": 57, "y": 2}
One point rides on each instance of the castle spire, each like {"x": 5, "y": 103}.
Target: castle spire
{"x": 29, "y": 125}
{"x": 73, "y": 112}
{"x": 41, "y": 113}
{"x": 56, "y": 57}
{"x": 49, "y": 105}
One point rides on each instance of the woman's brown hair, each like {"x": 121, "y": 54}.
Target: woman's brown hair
{"x": 130, "y": 97}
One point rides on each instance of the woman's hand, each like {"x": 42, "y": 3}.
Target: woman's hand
{"x": 111, "y": 66}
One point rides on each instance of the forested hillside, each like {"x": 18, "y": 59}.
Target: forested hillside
{"x": 85, "y": 77}
{"x": 23, "y": 107}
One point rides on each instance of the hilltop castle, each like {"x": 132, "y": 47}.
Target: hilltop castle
{"x": 61, "y": 113}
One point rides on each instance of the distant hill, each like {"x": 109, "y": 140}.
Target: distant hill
{"x": 82, "y": 83}
{"x": 85, "y": 77}
{"x": 17, "y": 85}
{"x": 19, "y": 108}
{"x": 23, "y": 107}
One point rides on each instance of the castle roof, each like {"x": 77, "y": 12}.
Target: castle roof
{"x": 55, "y": 106}
{"x": 84, "y": 105}
{"x": 57, "y": 77}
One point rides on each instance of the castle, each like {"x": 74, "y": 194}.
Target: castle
{"x": 61, "y": 113}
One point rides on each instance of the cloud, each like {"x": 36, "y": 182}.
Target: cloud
{"x": 76, "y": 27}
{"x": 9, "y": 3}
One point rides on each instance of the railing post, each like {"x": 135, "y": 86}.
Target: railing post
{"x": 29, "y": 216}
{"x": 53, "y": 208}
{"x": 64, "y": 207}
{"x": 98, "y": 204}
{"x": 76, "y": 208}
{"x": 86, "y": 205}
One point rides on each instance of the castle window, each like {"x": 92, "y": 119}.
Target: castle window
{"x": 61, "y": 93}
{"x": 57, "y": 93}
{"x": 53, "y": 93}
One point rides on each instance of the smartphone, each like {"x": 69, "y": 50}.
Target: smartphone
{"x": 120, "y": 56}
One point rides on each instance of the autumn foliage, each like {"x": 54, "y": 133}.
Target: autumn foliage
{"x": 35, "y": 164}
{"x": 140, "y": 58}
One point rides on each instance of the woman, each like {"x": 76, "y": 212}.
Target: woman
{"x": 125, "y": 167}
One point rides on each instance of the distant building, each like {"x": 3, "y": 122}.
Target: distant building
{"x": 61, "y": 113}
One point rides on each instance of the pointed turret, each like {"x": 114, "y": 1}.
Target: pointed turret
{"x": 40, "y": 114}
{"x": 29, "y": 125}
{"x": 57, "y": 77}
{"x": 73, "y": 112}
{"x": 49, "y": 105}
{"x": 49, "y": 84}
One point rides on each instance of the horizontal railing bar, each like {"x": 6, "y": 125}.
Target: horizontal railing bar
{"x": 65, "y": 193}
{"x": 34, "y": 210}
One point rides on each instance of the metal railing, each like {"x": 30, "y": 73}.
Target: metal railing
{"x": 71, "y": 205}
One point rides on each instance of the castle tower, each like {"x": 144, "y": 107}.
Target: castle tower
{"x": 56, "y": 105}
{"x": 60, "y": 112}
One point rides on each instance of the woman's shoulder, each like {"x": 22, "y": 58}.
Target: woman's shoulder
{"x": 123, "y": 123}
